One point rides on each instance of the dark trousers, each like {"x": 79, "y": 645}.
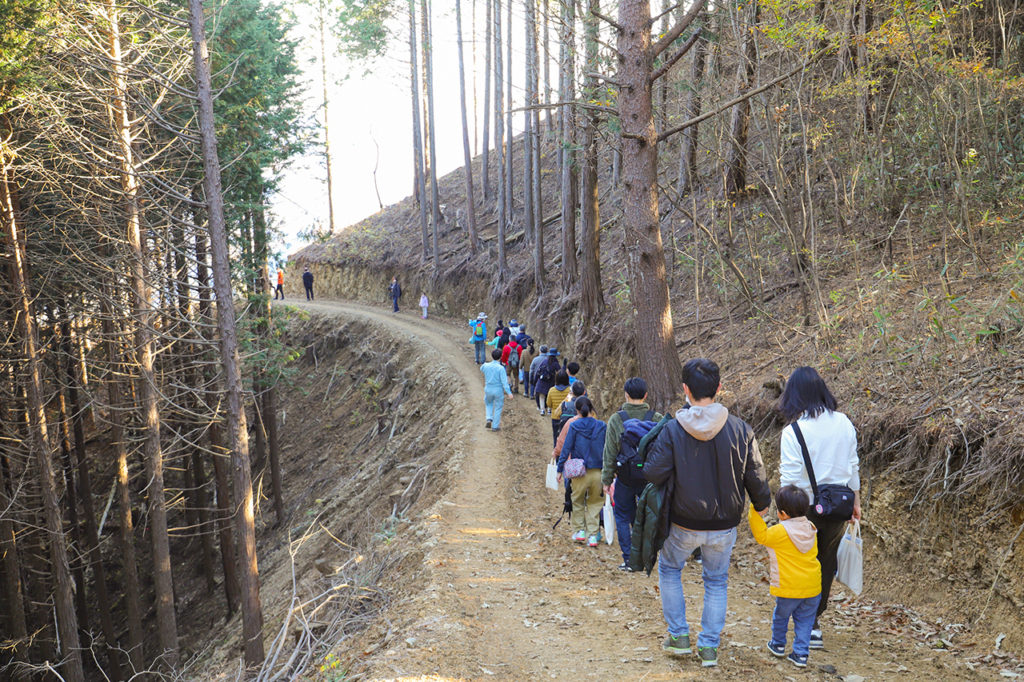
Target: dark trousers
{"x": 395, "y": 302}
{"x": 279, "y": 290}
{"x": 526, "y": 383}
{"x": 829, "y": 535}
{"x": 556, "y": 428}
{"x": 624, "y": 498}
{"x": 309, "y": 292}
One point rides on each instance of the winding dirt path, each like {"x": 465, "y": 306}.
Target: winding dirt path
{"x": 508, "y": 598}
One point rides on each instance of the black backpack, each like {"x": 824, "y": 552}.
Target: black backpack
{"x": 637, "y": 435}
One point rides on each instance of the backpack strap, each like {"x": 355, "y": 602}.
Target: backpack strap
{"x": 807, "y": 458}
{"x": 649, "y": 416}
{"x": 623, "y": 415}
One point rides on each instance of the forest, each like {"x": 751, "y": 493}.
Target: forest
{"x": 844, "y": 178}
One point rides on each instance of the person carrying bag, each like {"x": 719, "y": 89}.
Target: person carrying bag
{"x": 818, "y": 453}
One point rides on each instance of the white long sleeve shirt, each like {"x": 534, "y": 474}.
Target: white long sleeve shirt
{"x": 832, "y": 444}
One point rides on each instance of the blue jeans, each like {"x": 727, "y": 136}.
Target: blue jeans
{"x": 395, "y": 302}
{"x": 716, "y": 548}
{"x": 494, "y": 402}
{"x": 803, "y": 612}
{"x": 479, "y": 349}
{"x": 625, "y": 511}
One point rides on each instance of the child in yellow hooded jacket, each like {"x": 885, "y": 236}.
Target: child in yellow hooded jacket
{"x": 795, "y": 571}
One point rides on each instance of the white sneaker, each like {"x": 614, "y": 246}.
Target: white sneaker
{"x": 579, "y": 536}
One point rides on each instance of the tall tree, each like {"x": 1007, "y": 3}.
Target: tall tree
{"x": 67, "y": 621}
{"x": 591, "y": 295}
{"x": 238, "y": 437}
{"x": 417, "y": 132}
{"x": 567, "y": 95}
{"x": 499, "y": 141}
{"x": 509, "y": 134}
{"x": 428, "y": 58}
{"x": 488, "y": 30}
{"x": 652, "y": 309}
{"x": 530, "y": 95}
{"x": 470, "y": 198}
{"x": 321, "y": 20}
{"x": 735, "y": 170}
{"x": 691, "y": 110}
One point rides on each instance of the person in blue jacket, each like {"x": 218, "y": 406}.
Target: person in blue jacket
{"x": 585, "y": 440}
{"x": 495, "y": 389}
{"x": 479, "y": 338}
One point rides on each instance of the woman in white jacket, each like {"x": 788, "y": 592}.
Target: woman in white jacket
{"x": 832, "y": 445}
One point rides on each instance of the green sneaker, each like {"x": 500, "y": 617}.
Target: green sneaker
{"x": 708, "y": 656}
{"x": 677, "y": 646}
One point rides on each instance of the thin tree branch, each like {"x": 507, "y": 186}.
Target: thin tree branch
{"x": 678, "y": 29}
{"x": 673, "y": 8}
{"x": 733, "y": 102}
{"x": 676, "y": 56}
{"x": 617, "y": 25}
{"x": 606, "y": 79}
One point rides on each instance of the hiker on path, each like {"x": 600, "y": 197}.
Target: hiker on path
{"x": 525, "y": 360}
{"x": 535, "y": 374}
{"x": 626, "y": 492}
{"x": 573, "y": 368}
{"x": 569, "y": 415}
{"x": 711, "y": 461}
{"x": 794, "y": 570}
{"x": 479, "y": 338}
{"x": 424, "y": 303}
{"x": 510, "y": 358}
{"x": 546, "y": 373}
{"x": 556, "y": 394}
{"x": 495, "y": 389}
{"x": 394, "y": 292}
{"x": 280, "y": 284}
{"x": 585, "y": 440}
{"x": 807, "y": 404}
{"x": 513, "y": 327}
{"x": 307, "y": 283}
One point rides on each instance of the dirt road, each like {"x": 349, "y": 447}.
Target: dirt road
{"x": 508, "y": 598}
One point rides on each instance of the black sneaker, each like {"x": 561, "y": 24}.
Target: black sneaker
{"x": 776, "y": 649}
{"x": 488, "y": 424}
{"x": 816, "y": 642}
{"x": 797, "y": 660}
{"x": 625, "y": 567}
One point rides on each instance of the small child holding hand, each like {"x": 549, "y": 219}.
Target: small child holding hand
{"x": 795, "y": 571}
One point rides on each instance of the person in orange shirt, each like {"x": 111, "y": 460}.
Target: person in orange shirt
{"x": 280, "y": 284}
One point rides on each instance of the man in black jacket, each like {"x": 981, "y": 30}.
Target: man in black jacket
{"x": 713, "y": 460}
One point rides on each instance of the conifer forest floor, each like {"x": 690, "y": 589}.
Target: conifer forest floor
{"x": 500, "y": 595}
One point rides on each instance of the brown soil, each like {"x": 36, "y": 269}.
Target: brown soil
{"x": 500, "y": 595}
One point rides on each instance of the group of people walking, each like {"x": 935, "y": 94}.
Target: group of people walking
{"x": 703, "y": 462}
{"x": 307, "y": 284}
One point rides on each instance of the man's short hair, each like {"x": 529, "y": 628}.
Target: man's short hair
{"x": 636, "y": 388}
{"x": 792, "y": 500}
{"x": 702, "y": 377}
{"x": 543, "y": 350}
{"x": 496, "y": 354}
{"x": 573, "y": 367}
{"x": 578, "y": 389}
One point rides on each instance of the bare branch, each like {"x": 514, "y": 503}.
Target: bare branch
{"x": 676, "y": 56}
{"x": 678, "y": 29}
{"x": 612, "y": 22}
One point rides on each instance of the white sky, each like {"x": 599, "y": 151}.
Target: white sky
{"x": 373, "y": 104}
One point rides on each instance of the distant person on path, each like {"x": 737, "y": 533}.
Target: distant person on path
{"x": 479, "y": 338}
{"x": 831, "y": 440}
{"x": 712, "y": 460}
{"x": 794, "y": 570}
{"x": 394, "y": 292}
{"x": 546, "y": 374}
{"x": 573, "y": 368}
{"x": 280, "y": 284}
{"x": 535, "y": 374}
{"x": 510, "y": 358}
{"x": 556, "y": 394}
{"x": 307, "y": 282}
{"x": 522, "y": 337}
{"x": 424, "y": 303}
{"x": 513, "y": 327}
{"x": 495, "y": 389}
{"x": 584, "y": 440}
{"x": 525, "y": 360}
{"x": 626, "y": 492}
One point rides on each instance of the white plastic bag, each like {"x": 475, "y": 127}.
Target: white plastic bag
{"x": 551, "y": 479}
{"x": 609, "y": 520}
{"x": 850, "y": 559}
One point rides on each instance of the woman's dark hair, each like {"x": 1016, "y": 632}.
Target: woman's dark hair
{"x": 496, "y": 354}
{"x": 578, "y": 388}
{"x": 792, "y": 500}
{"x": 562, "y": 378}
{"x": 805, "y": 393}
{"x": 702, "y": 377}
{"x": 583, "y": 406}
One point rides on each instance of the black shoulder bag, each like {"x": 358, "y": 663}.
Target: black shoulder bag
{"x": 831, "y": 502}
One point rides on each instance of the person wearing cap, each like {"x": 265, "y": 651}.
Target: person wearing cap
{"x": 513, "y": 326}
{"x": 534, "y": 371}
{"x": 307, "y": 283}
{"x": 545, "y": 379}
{"x": 479, "y": 338}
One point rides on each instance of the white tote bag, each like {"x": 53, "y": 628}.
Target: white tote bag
{"x": 609, "y": 520}
{"x": 551, "y": 478}
{"x": 850, "y": 559}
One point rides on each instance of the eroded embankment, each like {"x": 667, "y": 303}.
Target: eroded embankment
{"x": 366, "y": 446}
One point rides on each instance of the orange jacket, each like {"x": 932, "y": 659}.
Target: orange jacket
{"x": 280, "y": 276}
